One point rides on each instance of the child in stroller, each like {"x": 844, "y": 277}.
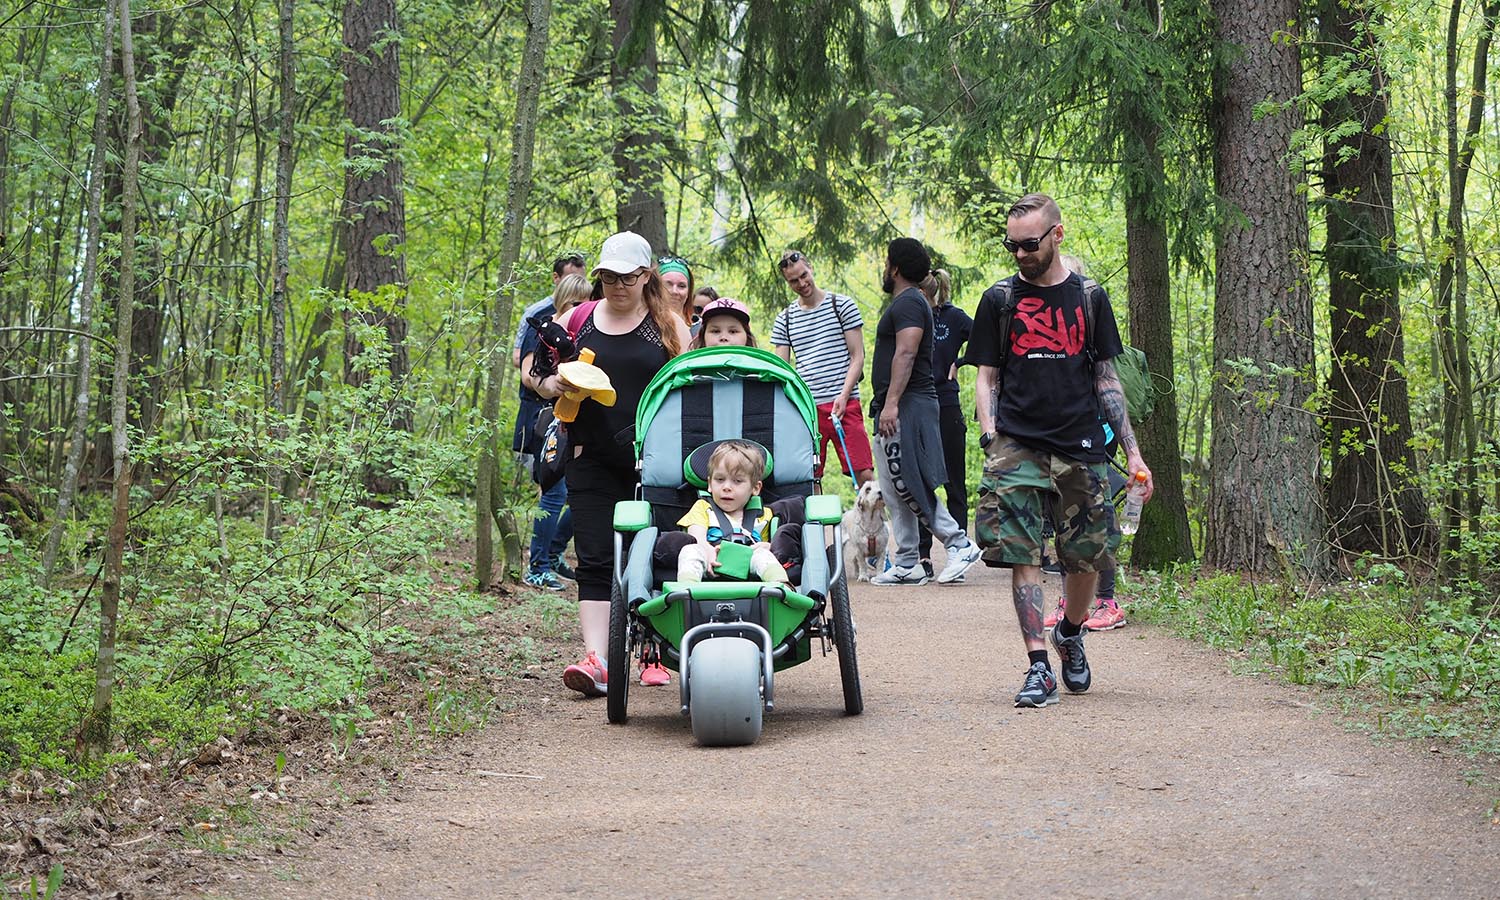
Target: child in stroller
{"x": 722, "y": 521}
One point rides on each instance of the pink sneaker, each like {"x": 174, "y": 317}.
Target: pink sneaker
{"x": 1105, "y": 615}
{"x": 1052, "y": 618}
{"x": 655, "y": 675}
{"x": 587, "y": 676}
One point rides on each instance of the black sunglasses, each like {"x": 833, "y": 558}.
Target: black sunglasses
{"x": 791, "y": 258}
{"x": 627, "y": 280}
{"x": 1030, "y": 245}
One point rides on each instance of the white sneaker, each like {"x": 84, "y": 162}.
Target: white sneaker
{"x": 959, "y": 560}
{"x": 908, "y": 575}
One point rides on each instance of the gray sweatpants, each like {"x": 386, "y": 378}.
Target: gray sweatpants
{"x": 910, "y": 467}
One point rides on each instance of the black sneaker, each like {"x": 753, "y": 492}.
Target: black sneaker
{"x": 927, "y": 567}
{"x": 1076, "y": 676}
{"x": 564, "y": 570}
{"x": 1040, "y": 688}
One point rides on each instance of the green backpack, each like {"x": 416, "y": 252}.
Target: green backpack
{"x": 1130, "y": 365}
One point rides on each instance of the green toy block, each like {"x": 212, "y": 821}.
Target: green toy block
{"x": 733, "y": 561}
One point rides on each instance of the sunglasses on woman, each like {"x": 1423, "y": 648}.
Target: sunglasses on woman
{"x": 627, "y": 280}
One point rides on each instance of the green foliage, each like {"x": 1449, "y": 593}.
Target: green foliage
{"x": 47, "y": 892}
{"x": 1414, "y": 660}
{"x": 220, "y": 625}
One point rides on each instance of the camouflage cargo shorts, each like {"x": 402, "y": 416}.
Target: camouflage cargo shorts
{"x": 1022, "y": 488}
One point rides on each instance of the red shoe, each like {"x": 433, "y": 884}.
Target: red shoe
{"x": 587, "y": 676}
{"x": 1052, "y": 618}
{"x": 1105, "y": 615}
{"x": 655, "y": 675}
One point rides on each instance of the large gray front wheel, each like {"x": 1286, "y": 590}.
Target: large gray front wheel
{"x": 724, "y": 696}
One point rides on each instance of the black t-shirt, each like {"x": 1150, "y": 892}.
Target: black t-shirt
{"x": 1047, "y": 398}
{"x": 909, "y": 309}
{"x": 950, "y": 330}
{"x": 631, "y": 360}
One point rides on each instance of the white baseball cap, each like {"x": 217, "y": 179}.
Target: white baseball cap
{"x": 623, "y": 253}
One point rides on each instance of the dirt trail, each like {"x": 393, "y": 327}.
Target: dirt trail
{"x": 1171, "y": 777}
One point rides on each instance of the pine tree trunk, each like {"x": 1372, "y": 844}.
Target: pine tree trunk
{"x": 83, "y": 399}
{"x": 518, "y": 189}
{"x": 1372, "y": 489}
{"x": 1164, "y": 535}
{"x": 1264, "y": 514}
{"x": 94, "y": 734}
{"x": 639, "y": 206}
{"x": 375, "y": 204}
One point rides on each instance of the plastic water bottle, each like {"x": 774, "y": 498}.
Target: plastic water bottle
{"x": 1135, "y": 498}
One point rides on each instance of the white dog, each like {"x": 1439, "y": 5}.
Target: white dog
{"x": 865, "y": 532}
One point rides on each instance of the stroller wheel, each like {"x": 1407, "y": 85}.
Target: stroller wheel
{"x": 724, "y": 698}
{"x": 619, "y": 657}
{"x": 843, "y": 640}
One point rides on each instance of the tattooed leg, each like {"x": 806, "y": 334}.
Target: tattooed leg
{"x": 1026, "y": 592}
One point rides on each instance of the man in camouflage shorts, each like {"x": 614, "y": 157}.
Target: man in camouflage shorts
{"x": 1044, "y": 391}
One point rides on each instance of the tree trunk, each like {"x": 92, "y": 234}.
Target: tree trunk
{"x": 1460, "y": 431}
{"x": 1164, "y": 536}
{"x": 1372, "y": 486}
{"x": 94, "y": 734}
{"x": 276, "y": 391}
{"x": 374, "y": 203}
{"x": 1263, "y": 510}
{"x": 83, "y": 398}
{"x": 639, "y": 206}
{"x": 518, "y": 188}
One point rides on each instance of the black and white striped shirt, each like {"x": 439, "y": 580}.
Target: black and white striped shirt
{"x": 816, "y": 337}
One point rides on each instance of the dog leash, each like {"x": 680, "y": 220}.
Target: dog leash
{"x": 838, "y": 430}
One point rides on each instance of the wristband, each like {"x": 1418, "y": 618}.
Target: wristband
{"x": 986, "y": 439}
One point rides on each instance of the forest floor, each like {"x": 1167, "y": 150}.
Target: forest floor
{"x": 1171, "y": 776}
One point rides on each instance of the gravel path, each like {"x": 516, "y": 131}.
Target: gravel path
{"x": 1171, "y": 777}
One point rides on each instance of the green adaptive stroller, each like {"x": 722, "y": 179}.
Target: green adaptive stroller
{"x": 726, "y": 638}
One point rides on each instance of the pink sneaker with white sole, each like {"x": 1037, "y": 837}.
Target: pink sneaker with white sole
{"x": 587, "y": 676}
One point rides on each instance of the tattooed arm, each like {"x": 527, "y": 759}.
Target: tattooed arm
{"x": 1112, "y": 402}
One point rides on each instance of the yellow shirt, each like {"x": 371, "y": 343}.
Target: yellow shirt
{"x": 703, "y": 514}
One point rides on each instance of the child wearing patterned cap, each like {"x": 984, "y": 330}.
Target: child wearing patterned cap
{"x": 725, "y": 321}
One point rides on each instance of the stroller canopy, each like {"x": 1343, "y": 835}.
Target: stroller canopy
{"x": 718, "y": 393}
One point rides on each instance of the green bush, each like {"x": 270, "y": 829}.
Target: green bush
{"x": 218, "y": 624}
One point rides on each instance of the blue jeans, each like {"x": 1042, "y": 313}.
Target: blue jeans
{"x": 552, "y": 530}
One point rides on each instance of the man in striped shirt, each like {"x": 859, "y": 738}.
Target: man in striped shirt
{"x": 822, "y": 330}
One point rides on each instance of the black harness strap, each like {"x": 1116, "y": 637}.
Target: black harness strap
{"x": 749, "y": 518}
{"x": 697, "y": 417}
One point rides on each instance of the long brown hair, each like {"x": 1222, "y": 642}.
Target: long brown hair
{"x": 661, "y": 312}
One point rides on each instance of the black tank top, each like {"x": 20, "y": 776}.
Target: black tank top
{"x": 631, "y": 360}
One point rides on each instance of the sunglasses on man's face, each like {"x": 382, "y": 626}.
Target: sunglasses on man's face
{"x": 1030, "y": 245}
{"x": 697, "y": 310}
{"x": 627, "y": 280}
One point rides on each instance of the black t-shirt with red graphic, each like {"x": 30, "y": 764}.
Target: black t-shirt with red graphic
{"x": 1047, "y": 399}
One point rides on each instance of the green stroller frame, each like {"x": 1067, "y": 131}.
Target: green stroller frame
{"x": 726, "y": 639}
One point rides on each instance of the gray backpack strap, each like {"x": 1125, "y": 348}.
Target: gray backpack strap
{"x": 1091, "y": 294}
